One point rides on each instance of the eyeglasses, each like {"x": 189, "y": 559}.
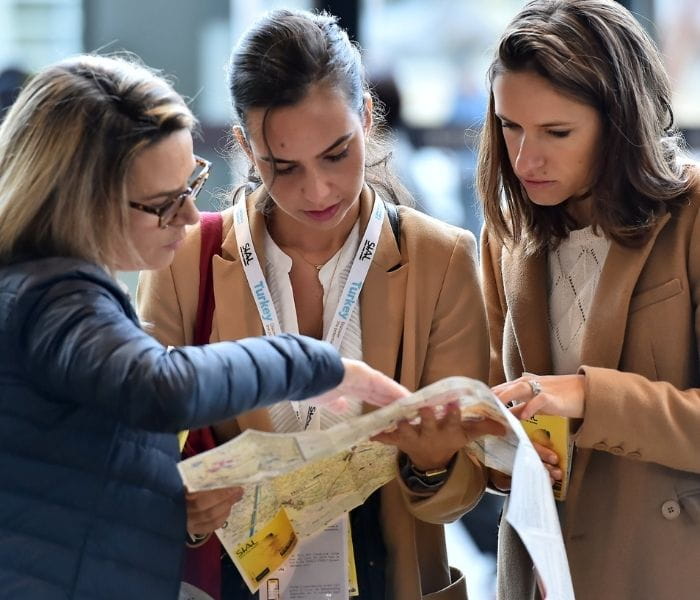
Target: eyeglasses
{"x": 167, "y": 211}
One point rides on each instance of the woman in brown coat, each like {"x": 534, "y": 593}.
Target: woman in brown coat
{"x": 320, "y": 194}
{"x": 591, "y": 270}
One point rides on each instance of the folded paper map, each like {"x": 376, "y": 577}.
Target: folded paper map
{"x": 309, "y": 479}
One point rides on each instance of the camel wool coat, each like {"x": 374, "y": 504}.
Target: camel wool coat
{"x": 631, "y": 521}
{"x": 422, "y": 319}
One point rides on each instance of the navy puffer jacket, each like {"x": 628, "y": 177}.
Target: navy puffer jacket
{"x": 91, "y": 504}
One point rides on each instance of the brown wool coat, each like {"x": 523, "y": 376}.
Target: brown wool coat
{"x": 424, "y": 298}
{"x": 632, "y": 517}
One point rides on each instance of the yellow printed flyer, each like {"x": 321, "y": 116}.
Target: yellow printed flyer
{"x": 554, "y": 433}
{"x": 316, "y": 570}
{"x": 262, "y": 554}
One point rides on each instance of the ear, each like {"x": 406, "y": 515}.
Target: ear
{"x": 367, "y": 113}
{"x": 239, "y": 134}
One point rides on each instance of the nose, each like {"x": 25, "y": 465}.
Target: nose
{"x": 316, "y": 187}
{"x": 188, "y": 213}
{"x": 529, "y": 157}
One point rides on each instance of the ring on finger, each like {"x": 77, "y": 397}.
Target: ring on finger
{"x": 535, "y": 386}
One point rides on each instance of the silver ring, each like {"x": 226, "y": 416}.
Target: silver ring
{"x": 535, "y": 386}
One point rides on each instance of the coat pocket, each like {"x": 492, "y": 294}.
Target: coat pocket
{"x": 656, "y": 294}
{"x": 690, "y": 503}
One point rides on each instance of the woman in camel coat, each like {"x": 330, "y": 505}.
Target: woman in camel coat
{"x": 591, "y": 271}
{"x": 420, "y": 317}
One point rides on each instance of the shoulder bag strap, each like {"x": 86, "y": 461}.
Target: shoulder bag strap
{"x": 202, "y": 565}
{"x": 392, "y": 212}
{"x": 211, "y": 225}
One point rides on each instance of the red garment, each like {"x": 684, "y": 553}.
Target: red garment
{"x": 202, "y": 567}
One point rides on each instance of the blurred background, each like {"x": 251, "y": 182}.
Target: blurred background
{"x": 426, "y": 62}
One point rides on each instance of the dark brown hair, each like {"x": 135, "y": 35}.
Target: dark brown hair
{"x": 595, "y": 52}
{"x": 282, "y": 56}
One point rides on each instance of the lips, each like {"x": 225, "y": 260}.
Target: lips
{"x": 536, "y": 182}
{"x": 323, "y": 215}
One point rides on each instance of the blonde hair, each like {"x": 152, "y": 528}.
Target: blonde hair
{"x": 66, "y": 146}
{"x": 593, "y": 51}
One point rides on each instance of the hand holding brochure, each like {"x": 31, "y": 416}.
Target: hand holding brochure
{"x": 298, "y": 483}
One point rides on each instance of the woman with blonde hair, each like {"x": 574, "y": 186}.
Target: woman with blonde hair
{"x": 97, "y": 174}
{"x": 316, "y": 243}
{"x": 592, "y": 283}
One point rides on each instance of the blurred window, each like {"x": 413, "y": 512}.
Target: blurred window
{"x": 36, "y": 32}
{"x": 437, "y": 51}
{"x": 437, "y": 54}
{"x": 678, "y": 26}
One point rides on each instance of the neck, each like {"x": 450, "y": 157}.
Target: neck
{"x": 580, "y": 209}
{"x": 314, "y": 244}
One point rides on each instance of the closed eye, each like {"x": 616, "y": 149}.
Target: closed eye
{"x": 338, "y": 157}
{"x": 169, "y": 200}
{"x": 286, "y": 171}
{"x": 559, "y": 133}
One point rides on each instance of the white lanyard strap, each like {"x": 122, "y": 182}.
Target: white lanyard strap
{"x": 358, "y": 273}
{"x": 348, "y": 299}
{"x": 253, "y": 270}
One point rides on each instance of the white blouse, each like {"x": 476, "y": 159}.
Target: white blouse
{"x": 332, "y": 277}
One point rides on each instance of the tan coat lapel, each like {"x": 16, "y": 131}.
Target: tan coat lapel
{"x": 236, "y": 314}
{"x": 383, "y": 297}
{"x": 525, "y": 288}
{"x": 605, "y": 331}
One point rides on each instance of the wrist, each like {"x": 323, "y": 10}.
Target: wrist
{"x": 424, "y": 480}
{"x": 428, "y": 474}
{"x": 498, "y": 481}
{"x": 426, "y": 466}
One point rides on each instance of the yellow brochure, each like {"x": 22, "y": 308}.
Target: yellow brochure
{"x": 261, "y": 555}
{"x": 317, "y": 568}
{"x": 553, "y": 432}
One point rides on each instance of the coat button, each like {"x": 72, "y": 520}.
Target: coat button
{"x": 671, "y": 510}
{"x": 600, "y": 446}
{"x": 618, "y": 450}
{"x": 634, "y": 454}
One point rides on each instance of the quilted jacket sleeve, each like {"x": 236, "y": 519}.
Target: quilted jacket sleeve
{"x": 80, "y": 342}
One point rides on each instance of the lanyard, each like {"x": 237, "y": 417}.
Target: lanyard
{"x": 348, "y": 299}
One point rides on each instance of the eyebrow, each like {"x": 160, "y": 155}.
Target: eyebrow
{"x": 171, "y": 193}
{"x": 550, "y": 124}
{"x": 341, "y": 140}
{"x": 167, "y": 194}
